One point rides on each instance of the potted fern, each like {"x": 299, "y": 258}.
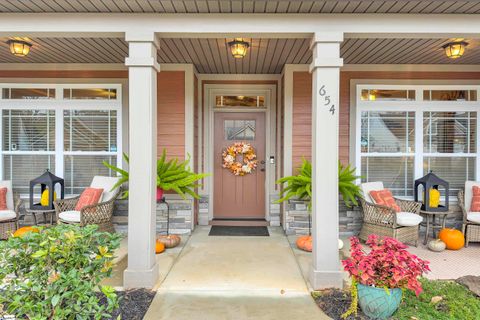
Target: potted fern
{"x": 171, "y": 175}
{"x": 177, "y": 176}
{"x": 300, "y": 187}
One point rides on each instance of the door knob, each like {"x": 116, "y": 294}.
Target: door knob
{"x": 263, "y": 165}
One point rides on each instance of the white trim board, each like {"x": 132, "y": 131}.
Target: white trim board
{"x": 245, "y": 25}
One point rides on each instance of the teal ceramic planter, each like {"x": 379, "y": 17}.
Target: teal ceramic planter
{"x": 376, "y": 303}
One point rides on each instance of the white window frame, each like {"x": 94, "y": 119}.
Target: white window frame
{"x": 59, "y": 105}
{"x": 418, "y": 106}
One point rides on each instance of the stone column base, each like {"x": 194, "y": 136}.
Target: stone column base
{"x": 326, "y": 279}
{"x": 141, "y": 278}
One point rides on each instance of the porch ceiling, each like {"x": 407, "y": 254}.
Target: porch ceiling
{"x": 242, "y": 6}
{"x": 266, "y": 56}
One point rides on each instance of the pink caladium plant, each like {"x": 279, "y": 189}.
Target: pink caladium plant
{"x": 387, "y": 265}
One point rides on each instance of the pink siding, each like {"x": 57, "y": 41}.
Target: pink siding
{"x": 302, "y": 113}
{"x": 171, "y": 113}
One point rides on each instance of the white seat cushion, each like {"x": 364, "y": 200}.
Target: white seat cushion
{"x": 105, "y": 183}
{"x": 367, "y": 187}
{"x": 473, "y": 217}
{"x": 7, "y": 215}
{"x": 70, "y": 216}
{"x": 408, "y": 219}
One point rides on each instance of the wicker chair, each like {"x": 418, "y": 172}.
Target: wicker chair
{"x": 382, "y": 220}
{"x": 471, "y": 223}
{"x": 9, "y": 218}
{"x": 100, "y": 214}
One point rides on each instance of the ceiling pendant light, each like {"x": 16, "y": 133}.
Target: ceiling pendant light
{"x": 19, "y": 48}
{"x": 455, "y": 50}
{"x": 238, "y": 48}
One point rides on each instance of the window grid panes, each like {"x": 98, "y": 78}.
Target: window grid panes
{"x": 387, "y": 146}
{"x": 90, "y": 130}
{"x": 30, "y": 133}
{"x": 80, "y": 169}
{"x": 28, "y": 130}
{"x": 239, "y": 130}
{"x": 389, "y": 151}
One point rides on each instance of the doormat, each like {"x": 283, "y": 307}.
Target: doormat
{"x": 237, "y": 231}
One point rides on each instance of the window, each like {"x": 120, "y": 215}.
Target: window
{"x": 399, "y": 140}
{"x": 387, "y": 146}
{"x": 90, "y": 137}
{"x": 70, "y": 138}
{"x": 240, "y": 101}
{"x": 449, "y": 145}
{"x": 239, "y": 129}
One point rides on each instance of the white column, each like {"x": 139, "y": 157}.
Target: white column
{"x": 325, "y": 69}
{"x": 142, "y": 270}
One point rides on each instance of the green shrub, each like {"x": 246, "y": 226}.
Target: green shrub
{"x": 54, "y": 274}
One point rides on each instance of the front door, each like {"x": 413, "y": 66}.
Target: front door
{"x": 235, "y": 196}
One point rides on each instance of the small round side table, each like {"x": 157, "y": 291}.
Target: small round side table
{"x": 45, "y": 212}
{"x": 434, "y": 224}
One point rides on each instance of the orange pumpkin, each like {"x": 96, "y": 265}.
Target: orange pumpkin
{"x": 453, "y": 238}
{"x": 170, "y": 241}
{"x": 159, "y": 247}
{"x": 24, "y": 230}
{"x": 305, "y": 243}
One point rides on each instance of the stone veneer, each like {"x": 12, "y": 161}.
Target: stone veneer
{"x": 181, "y": 216}
{"x": 350, "y": 219}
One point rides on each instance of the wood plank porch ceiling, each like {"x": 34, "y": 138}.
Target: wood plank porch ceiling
{"x": 241, "y": 6}
{"x": 266, "y": 56}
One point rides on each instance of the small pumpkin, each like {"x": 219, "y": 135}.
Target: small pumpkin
{"x": 24, "y": 230}
{"x": 170, "y": 241}
{"x": 159, "y": 247}
{"x": 436, "y": 245}
{"x": 453, "y": 238}
{"x": 304, "y": 243}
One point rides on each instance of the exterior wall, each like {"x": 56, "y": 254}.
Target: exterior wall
{"x": 171, "y": 113}
{"x": 296, "y": 220}
{"x": 302, "y": 118}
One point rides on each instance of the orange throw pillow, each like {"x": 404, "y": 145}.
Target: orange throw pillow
{"x": 385, "y": 198}
{"x": 88, "y": 197}
{"x": 475, "y": 205}
{"x": 3, "y": 199}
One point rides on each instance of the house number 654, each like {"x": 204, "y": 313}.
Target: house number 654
{"x": 323, "y": 93}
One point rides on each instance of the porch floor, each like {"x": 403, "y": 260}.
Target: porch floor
{"x": 446, "y": 265}
{"x": 234, "y": 278}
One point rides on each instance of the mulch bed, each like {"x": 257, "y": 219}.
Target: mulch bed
{"x": 133, "y": 304}
{"x": 335, "y": 302}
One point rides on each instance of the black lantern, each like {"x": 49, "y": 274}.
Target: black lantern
{"x": 46, "y": 181}
{"x": 433, "y": 187}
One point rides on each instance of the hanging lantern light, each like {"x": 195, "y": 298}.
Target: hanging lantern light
{"x": 239, "y": 48}
{"x": 455, "y": 50}
{"x": 19, "y": 48}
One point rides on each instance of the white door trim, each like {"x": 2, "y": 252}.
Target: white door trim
{"x": 269, "y": 90}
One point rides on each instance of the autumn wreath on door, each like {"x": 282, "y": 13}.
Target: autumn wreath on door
{"x": 246, "y": 165}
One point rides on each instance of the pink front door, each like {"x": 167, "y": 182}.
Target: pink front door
{"x": 239, "y": 197}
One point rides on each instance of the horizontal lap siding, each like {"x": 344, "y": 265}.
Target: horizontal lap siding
{"x": 302, "y": 101}
{"x": 171, "y": 113}
{"x": 302, "y": 118}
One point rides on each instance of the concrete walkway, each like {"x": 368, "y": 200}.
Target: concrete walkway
{"x": 234, "y": 278}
